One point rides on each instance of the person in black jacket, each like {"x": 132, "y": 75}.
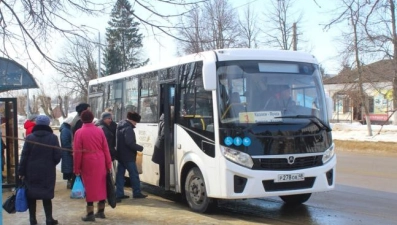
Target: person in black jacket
{"x": 37, "y": 168}
{"x": 127, "y": 149}
{"x": 105, "y": 123}
{"x": 77, "y": 123}
{"x": 113, "y": 125}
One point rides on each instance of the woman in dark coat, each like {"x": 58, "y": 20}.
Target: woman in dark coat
{"x": 37, "y": 168}
{"x": 67, "y": 156}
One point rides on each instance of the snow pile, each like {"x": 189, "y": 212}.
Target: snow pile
{"x": 359, "y": 132}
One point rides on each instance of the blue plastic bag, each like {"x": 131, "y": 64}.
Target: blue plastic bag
{"x": 78, "y": 190}
{"x": 21, "y": 201}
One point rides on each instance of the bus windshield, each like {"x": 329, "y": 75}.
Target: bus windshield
{"x": 269, "y": 92}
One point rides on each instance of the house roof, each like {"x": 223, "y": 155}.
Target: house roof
{"x": 380, "y": 71}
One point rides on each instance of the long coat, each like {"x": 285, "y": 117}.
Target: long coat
{"x": 92, "y": 160}
{"x": 38, "y": 162}
{"x": 66, "y": 142}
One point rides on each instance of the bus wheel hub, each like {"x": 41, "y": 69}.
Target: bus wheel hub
{"x": 196, "y": 191}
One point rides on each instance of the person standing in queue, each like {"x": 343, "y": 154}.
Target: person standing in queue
{"x": 113, "y": 125}
{"x": 92, "y": 162}
{"x": 67, "y": 156}
{"x": 37, "y": 168}
{"x": 29, "y": 124}
{"x": 127, "y": 149}
{"x": 105, "y": 123}
{"x": 77, "y": 123}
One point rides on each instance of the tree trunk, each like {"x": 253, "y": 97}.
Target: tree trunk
{"x": 393, "y": 21}
{"x": 360, "y": 81}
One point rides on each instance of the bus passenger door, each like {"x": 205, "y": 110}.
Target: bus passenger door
{"x": 167, "y": 101}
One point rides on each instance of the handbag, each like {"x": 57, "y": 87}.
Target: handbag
{"x": 21, "y": 201}
{"x": 110, "y": 190}
{"x": 9, "y": 204}
{"x": 138, "y": 162}
{"x": 78, "y": 190}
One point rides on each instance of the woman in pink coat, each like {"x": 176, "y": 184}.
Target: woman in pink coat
{"x": 92, "y": 161}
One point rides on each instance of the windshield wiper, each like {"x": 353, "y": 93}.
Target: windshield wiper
{"x": 317, "y": 121}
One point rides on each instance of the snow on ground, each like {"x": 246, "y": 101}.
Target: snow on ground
{"x": 359, "y": 132}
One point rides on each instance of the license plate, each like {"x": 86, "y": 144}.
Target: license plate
{"x": 290, "y": 177}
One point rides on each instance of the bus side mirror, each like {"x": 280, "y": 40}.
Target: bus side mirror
{"x": 330, "y": 106}
{"x": 209, "y": 74}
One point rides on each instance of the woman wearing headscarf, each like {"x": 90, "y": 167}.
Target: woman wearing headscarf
{"x": 29, "y": 124}
{"x": 92, "y": 162}
{"x": 37, "y": 167}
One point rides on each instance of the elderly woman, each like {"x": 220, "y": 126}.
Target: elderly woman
{"x": 92, "y": 161}
{"x": 67, "y": 156}
{"x": 37, "y": 167}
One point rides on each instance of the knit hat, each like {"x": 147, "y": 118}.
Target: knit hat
{"x": 68, "y": 120}
{"x": 81, "y": 107}
{"x": 43, "y": 120}
{"x": 134, "y": 116}
{"x": 87, "y": 116}
{"x": 106, "y": 115}
{"x": 32, "y": 117}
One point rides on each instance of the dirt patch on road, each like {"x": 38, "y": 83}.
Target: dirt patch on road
{"x": 366, "y": 146}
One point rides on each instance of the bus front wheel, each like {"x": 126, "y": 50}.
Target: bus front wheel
{"x": 196, "y": 193}
{"x": 295, "y": 199}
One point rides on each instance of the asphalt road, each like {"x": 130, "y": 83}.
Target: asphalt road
{"x": 366, "y": 193}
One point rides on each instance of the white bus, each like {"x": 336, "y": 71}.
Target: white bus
{"x": 229, "y": 138}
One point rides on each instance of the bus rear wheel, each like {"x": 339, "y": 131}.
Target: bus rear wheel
{"x": 295, "y": 199}
{"x": 196, "y": 193}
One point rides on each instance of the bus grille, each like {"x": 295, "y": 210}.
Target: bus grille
{"x": 282, "y": 163}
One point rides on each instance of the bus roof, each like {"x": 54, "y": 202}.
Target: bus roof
{"x": 222, "y": 55}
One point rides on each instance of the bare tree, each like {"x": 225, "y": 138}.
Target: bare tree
{"x": 249, "y": 30}
{"x": 213, "y": 25}
{"x": 380, "y": 26}
{"x": 281, "y": 21}
{"x": 78, "y": 69}
{"x": 193, "y": 29}
{"x": 35, "y": 24}
{"x": 354, "y": 11}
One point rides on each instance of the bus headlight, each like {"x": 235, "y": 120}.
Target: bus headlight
{"x": 237, "y": 157}
{"x": 329, "y": 153}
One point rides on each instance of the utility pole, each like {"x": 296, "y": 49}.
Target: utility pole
{"x": 99, "y": 54}
{"x": 295, "y": 38}
{"x": 27, "y": 97}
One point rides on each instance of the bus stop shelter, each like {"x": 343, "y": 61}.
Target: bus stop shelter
{"x": 13, "y": 76}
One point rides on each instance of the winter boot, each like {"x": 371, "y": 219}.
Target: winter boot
{"x": 90, "y": 214}
{"x": 69, "y": 184}
{"x": 101, "y": 210}
{"x": 32, "y": 211}
{"x": 47, "y": 204}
